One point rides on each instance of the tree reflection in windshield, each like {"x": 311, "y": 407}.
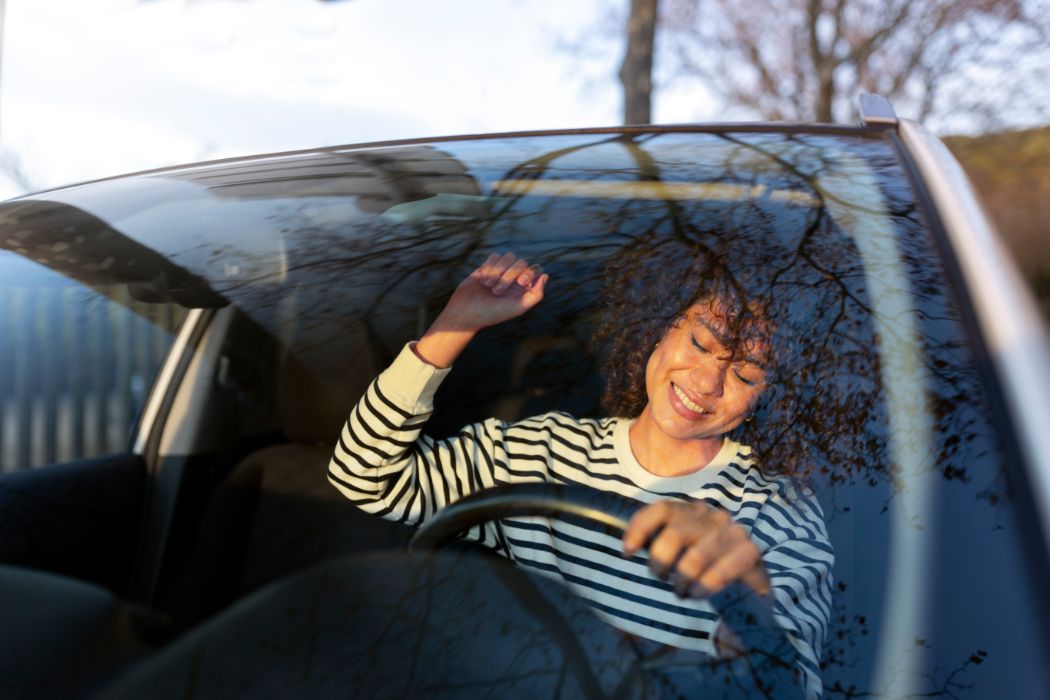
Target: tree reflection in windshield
{"x": 833, "y": 414}
{"x": 879, "y": 397}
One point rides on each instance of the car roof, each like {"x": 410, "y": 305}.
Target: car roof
{"x": 714, "y": 127}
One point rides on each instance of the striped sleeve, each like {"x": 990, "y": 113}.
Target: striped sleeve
{"x": 798, "y": 557}
{"x": 385, "y": 465}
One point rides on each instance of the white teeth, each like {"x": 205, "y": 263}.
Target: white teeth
{"x": 685, "y": 400}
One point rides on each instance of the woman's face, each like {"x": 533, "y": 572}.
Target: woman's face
{"x": 699, "y": 384}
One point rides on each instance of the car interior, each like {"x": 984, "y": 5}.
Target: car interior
{"x": 124, "y": 554}
{"x": 235, "y": 497}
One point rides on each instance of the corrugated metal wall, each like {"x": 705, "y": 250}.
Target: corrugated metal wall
{"x": 75, "y": 368}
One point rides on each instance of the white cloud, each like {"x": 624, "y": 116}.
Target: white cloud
{"x": 108, "y": 86}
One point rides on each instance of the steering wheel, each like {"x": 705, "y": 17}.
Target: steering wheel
{"x": 748, "y": 615}
{"x": 570, "y": 502}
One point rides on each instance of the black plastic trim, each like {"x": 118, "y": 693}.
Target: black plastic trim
{"x": 152, "y": 446}
{"x": 151, "y": 453}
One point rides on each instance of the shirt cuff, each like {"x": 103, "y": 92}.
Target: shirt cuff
{"x": 411, "y": 383}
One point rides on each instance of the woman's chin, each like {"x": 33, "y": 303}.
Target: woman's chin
{"x": 679, "y": 427}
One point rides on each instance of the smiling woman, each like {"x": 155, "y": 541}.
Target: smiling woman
{"x": 701, "y": 382}
{"x": 709, "y": 515}
{"x": 731, "y": 311}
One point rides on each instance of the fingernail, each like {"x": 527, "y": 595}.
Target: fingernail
{"x": 698, "y": 591}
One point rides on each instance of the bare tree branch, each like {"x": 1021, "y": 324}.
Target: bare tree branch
{"x": 807, "y": 59}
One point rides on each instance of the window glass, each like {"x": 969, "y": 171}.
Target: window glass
{"x": 76, "y": 364}
{"x": 334, "y": 260}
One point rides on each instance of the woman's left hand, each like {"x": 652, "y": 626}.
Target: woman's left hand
{"x": 698, "y": 547}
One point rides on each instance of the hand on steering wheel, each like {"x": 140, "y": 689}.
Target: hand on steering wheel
{"x": 745, "y": 611}
{"x": 699, "y": 548}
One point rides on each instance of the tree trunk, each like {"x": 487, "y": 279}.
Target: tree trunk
{"x": 825, "y": 97}
{"x": 636, "y": 71}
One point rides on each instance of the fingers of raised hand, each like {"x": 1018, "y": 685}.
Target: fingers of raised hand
{"x": 530, "y": 276}
{"x": 510, "y": 275}
{"x": 488, "y": 273}
{"x": 534, "y": 293}
{"x": 501, "y": 272}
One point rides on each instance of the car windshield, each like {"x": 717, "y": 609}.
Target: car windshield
{"x": 321, "y": 266}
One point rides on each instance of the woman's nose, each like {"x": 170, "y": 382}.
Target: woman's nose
{"x": 709, "y": 377}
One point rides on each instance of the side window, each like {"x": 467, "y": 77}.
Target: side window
{"x": 76, "y": 364}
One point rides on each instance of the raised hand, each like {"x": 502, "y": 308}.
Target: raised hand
{"x": 502, "y": 288}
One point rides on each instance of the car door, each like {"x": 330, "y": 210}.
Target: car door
{"x": 78, "y": 357}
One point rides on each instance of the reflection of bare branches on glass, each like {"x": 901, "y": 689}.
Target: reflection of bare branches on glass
{"x": 957, "y": 378}
{"x": 636, "y": 223}
{"x": 393, "y": 275}
{"x": 941, "y": 683}
{"x": 750, "y": 260}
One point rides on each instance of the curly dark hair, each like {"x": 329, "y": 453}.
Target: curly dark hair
{"x": 801, "y": 297}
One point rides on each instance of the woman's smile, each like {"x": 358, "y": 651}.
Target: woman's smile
{"x": 685, "y": 406}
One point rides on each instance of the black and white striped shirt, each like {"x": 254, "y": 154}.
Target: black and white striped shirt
{"x": 385, "y": 466}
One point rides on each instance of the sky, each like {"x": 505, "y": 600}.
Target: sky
{"x": 92, "y": 88}
{"x": 101, "y": 87}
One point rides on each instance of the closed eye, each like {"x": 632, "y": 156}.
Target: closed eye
{"x": 745, "y": 380}
{"x": 697, "y": 345}
{"x": 749, "y": 374}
